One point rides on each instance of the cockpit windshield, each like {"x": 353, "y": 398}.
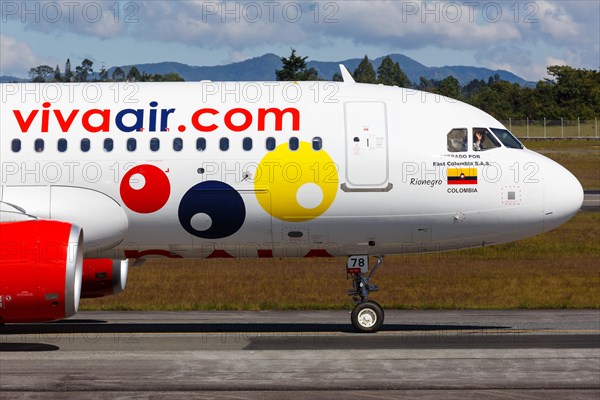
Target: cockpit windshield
{"x": 483, "y": 140}
{"x": 507, "y": 138}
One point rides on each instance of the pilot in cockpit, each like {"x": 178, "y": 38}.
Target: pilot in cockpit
{"x": 478, "y": 139}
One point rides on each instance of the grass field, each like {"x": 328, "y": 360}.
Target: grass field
{"x": 581, "y": 157}
{"x": 553, "y": 129}
{"x": 560, "y": 269}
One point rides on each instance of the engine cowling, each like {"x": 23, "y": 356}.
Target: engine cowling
{"x": 103, "y": 277}
{"x": 41, "y": 264}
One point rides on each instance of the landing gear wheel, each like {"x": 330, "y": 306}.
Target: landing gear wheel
{"x": 367, "y": 317}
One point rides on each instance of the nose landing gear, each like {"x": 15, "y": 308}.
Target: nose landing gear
{"x": 367, "y": 316}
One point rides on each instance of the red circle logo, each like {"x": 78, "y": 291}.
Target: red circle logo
{"x": 145, "y": 189}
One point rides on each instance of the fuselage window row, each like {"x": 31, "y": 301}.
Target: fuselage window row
{"x": 131, "y": 144}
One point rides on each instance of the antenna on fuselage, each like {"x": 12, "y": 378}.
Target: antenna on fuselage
{"x": 346, "y": 76}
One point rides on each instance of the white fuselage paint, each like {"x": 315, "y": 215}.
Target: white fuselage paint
{"x": 388, "y": 145}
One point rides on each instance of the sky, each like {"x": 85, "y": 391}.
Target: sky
{"x": 523, "y": 37}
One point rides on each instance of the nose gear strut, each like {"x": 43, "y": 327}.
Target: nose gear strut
{"x": 367, "y": 316}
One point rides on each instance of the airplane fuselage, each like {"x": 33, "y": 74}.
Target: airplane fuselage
{"x": 269, "y": 170}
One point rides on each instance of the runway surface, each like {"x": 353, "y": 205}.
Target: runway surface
{"x": 304, "y": 354}
{"x": 591, "y": 200}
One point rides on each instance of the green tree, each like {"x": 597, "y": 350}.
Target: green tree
{"x": 390, "y": 73}
{"x": 68, "y": 72}
{"x": 41, "y": 73}
{"x": 172, "y": 77}
{"x": 449, "y": 87}
{"x": 311, "y": 74}
{"x": 294, "y": 69}
{"x": 472, "y": 88}
{"x": 499, "y": 99}
{"x": 118, "y": 75}
{"x": 428, "y": 85}
{"x": 103, "y": 73}
{"x": 134, "y": 74}
{"x": 57, "y": 75}
{"x": 84, "y": 70}
{"x": 576, "y": 91}
{"x": 337, "y": 77}
{"x": 364, "y": 73}
{"x": 544, "y": 103}
{"x": 493, "y": 79}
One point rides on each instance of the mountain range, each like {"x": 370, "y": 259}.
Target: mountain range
{"x": 263, "y": 69}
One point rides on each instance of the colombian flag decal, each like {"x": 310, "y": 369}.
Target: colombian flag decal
{"x": 462, "y": 176}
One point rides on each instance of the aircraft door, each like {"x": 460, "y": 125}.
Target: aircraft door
{"x": 366, "y": 146}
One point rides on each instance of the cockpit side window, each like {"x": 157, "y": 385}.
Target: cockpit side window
{"x": 484, "y": 140}
{"x": 457, "y": 140}
{"x": 507, "y": 138}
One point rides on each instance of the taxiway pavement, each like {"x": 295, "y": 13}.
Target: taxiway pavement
{"x": 591, "y": 200}
{"x": 304, "y": 354}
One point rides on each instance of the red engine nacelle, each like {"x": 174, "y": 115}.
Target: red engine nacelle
{"x": 103, "y": 277}
{"x": 40, "y": 270}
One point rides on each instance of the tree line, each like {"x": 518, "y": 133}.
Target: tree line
{"x": 568, "y": 93}
{"x": 85, "y": 71}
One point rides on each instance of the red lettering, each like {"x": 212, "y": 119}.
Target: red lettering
{"x": 25, "y": 124}
{"x": 99, "y": 120}
{"x": 238, "y": 128}
{"x": 104, "y": 125}
{"x": 278, "y": 114}
{"x": 196, "y": 120}
{"x": 65, "y": 125}
{"x": 45, "y": 117}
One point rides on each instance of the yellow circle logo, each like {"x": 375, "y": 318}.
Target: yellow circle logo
{"x": 302, "y": 184}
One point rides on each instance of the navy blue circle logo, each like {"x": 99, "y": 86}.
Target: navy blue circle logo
{"x": 212, "y": 210}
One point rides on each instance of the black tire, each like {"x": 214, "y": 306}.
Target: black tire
{"x": 367, "y": 317}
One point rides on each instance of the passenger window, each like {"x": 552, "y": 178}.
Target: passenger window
{"x": 177, "y": 144}
{"x": 484, "y": 140}
{"x": 224, "y": 144}
{"x": 131, "y": 144}
{"x": 108, "y": 145}
{"x": 85, "y": 145}
{"x": 200, "y": 144}
{"x": 247, "y": 144}
{"x": 457, "y": 140}
{"x": 39, "y": 145}
{"x": 154, "y": 144}
{"x": 271, "y": 143}
{"x": 16, "y": 145}
{"x": 62, "y": 145}
{"x": 294, "y": 143}
{"x": 317, "y": 143}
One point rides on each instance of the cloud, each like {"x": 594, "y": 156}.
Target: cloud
{"x": 552, "y": 34}
{"x": 416, "y": 24}
{"x": 235, "y": 25}
{"x": 100, "y": 19}
{"x": 15, "y": 56}
{"x": 237, "y": 56}
{"x": 241, "y": 25}
{"x": 498, "y": 33}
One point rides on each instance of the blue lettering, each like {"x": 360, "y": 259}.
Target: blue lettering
{"x": 139, "y": 123}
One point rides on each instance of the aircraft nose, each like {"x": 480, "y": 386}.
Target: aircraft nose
{"x": 563, "y": 196}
